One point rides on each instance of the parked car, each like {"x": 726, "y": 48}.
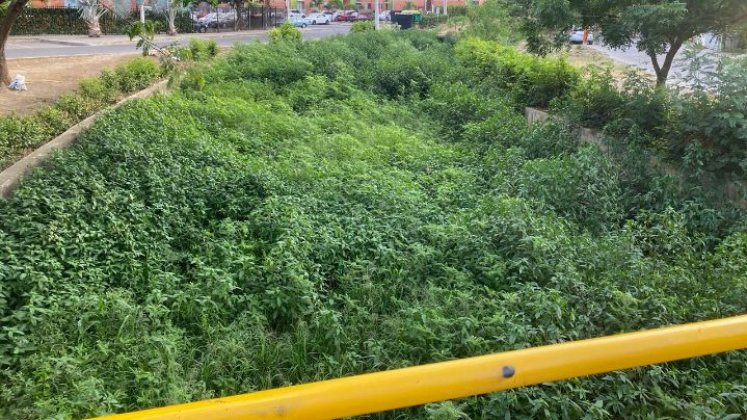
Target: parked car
{"x": 577, "y": 37}
{"x": 299, "y": 22}
{"x": 361, "y": 16}
{"x": 347, "y": 16}
{"x": 214, "y": 20}
{"x": 318, "y": 19}
{"x": 295, "y": 14}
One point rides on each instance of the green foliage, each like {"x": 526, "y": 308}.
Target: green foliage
{"x": 18, "y": 134}
{"x": 316, "y": 210}
{"x": 65, "y": 21}
{"x": 431, "y": 20}
{"x": 136, "y": 74}
{"x": 491, "y": 21}
{"x": 655, "y": 27}
{"x": 201, "y": 50}
{"x": 362, "y": 26}
{"x": 531, "y": 80}
{"x": 285, "y": 33}
{"x": 595, "y": 101}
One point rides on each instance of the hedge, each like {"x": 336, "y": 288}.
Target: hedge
{"x": 66, "y": 21}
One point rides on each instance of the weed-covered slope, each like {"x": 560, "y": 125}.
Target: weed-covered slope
{"x": 302, "y": 212}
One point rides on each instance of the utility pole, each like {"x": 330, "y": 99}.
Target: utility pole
{"x": 377, "y": 24}
{"x": 287, "y": 10}
{"x": 446, "y": 7}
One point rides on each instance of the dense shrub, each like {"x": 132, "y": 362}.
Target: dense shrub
{"x": 285, "y": 33}
{"x": 17, "y": 134}
{"x": 362, "y": 26}
{"x": 136, "y": 74}
{"x": 200, "y": 50}
{"x": 289, "y": 222}
{"x": 595, "y": 101}
{"x": 532, "y": 81}
{"x": 431, "y": 20}
{"x": 281, "y": 65}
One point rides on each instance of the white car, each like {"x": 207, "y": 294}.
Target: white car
{"x": 318, "y": 19}
{"x": 385, "y": 16}
{"x": 577, "y": 37}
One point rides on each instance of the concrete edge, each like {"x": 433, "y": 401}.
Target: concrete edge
{"x": 10, "y": 177}
{"x": 732, "y": 189}
{"x": 63, "y": 42}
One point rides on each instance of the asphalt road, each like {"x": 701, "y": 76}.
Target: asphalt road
{"x": 632, "y": 57}
{"x": 32, "y": 49}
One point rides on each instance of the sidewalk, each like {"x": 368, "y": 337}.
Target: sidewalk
{"x": 107, "y": 40}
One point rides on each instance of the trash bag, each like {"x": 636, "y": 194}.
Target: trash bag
{"x": 18, "y": 83}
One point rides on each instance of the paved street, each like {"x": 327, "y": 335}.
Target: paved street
{"x": 61, "y": 46}
{"x": 635, "y": 58}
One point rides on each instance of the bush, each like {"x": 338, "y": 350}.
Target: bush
{"x": 97, "y": 90}
{"x": 594, "y": 101}
{"x": 280, "y": 64}
{"x": 135, "y": 75}
{"x": 285, "y": 33}
{"x": 200, "y": 50}
{"x": 20, "y": 133}
{"x": 532, "y": 81}
{"x": 362, "y": 26}
{"x": 431, "y": 20}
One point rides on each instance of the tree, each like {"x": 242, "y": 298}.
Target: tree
{"x": 655, "y": 27}
{"x": 10, "y": 10}
{"x": 334, "y": 4}
{"x": 171, "y": 8}
{"x": 91, "y": 12}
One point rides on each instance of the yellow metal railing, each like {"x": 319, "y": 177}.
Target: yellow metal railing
{"x": 412, "y": 386}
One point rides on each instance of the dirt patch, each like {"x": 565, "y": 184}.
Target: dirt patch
{"x": 582, "y": 56}
{"x": 48, "y": 78}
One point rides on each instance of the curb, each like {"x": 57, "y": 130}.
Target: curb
{"x": 62, "y": 42}
{"x": 10, "y": 177}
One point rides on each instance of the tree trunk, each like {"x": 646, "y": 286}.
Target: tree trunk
{"x": 14, "y": 10}
{"x": 4, "y": 73}
{"x": 172, "y": 20}
{"x": 94, "y": 27}
{"x": 662, "y": 71}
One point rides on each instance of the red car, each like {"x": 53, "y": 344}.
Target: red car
{"x": 346, "y": 17}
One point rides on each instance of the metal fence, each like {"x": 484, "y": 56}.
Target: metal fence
{"x": 66, "y": 20}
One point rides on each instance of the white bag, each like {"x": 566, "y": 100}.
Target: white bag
{"x": 18, "y": 83}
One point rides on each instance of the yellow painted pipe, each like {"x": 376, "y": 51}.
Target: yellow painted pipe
{"x": 412, "y": 386}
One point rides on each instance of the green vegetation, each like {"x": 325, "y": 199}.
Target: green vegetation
{"x": 657, "y": 28}
{"x": 19, "y": 134}
{"x": 303, "y": 211}
{"x": 285, "y": 33}
{"x": 65, "y": 21}
{"x": 362, "y": 26}
{"x": 702, "y": 131}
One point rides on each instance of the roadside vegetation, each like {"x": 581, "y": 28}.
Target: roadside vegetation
{"x": 307, "y": 210}
{"x": 21, "y": 134}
